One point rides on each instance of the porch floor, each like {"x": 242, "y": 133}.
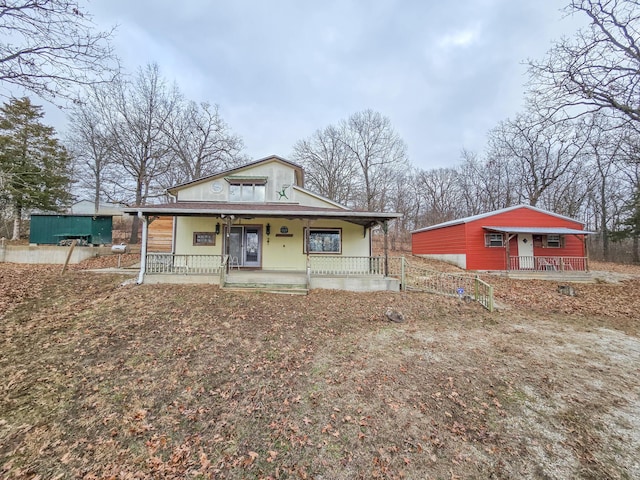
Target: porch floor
{"x": 557, "y": 276}
{"x": 267, "y": 281}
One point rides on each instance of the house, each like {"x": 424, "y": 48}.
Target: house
{"x": 258, "y": 222}
{"x": 518, "y": 238}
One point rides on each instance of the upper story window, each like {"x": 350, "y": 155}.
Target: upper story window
{"x": 247, "y": 191}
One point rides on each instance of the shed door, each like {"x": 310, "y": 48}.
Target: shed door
{"x": 525, "y": 251}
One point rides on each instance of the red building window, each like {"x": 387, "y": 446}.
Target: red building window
{"x": 493, "y": 240}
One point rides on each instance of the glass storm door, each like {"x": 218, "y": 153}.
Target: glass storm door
{"x": 245, "y": 246}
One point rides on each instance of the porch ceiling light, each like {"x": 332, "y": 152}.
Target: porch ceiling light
{"x": 268, "y": 229}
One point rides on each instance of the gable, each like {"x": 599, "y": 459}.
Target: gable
{"x": 277, "y": 176}
{"x": 269, "y": 181}
{"x": 527, "y": 217}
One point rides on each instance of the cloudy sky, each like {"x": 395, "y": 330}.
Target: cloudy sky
{"x": 443, "y": 72}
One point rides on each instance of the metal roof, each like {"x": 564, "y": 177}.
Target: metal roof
{"x": 473, "y": 218}
{"x": 540, "y": 230}
{"x": 253, "y": 210}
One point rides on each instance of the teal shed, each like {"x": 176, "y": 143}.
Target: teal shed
{"x": 61, "y": 229}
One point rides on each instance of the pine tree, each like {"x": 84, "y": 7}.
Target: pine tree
{"x": 630, "y": 226}
{"x": 34, "y": 166}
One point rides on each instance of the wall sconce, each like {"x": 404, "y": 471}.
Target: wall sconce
{"x": 218, "y": 228}
{"x": 268, "y": 230}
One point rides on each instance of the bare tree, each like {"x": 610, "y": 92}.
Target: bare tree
{"x": 49, "y": 47}
{"x": 470, "y": 178}
{"x": 201, "y": 141}
{"x": 403, "y": 199}
{"x": 605, "y": 148}
{"x": 542, "y": 150}
{"x": 330, "y": 169}
{"x": 137, "y": 113}
{"x": 356, "y": 162}
{"x": 628, "y": 224}
{"x": 379, "y": 152}
{"x": 439, "y": 195}
{"x": 91, "y": 144}
{"x": 599, "y": 68}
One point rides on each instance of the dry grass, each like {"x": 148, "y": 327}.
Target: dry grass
{"x": 105, "y": 381}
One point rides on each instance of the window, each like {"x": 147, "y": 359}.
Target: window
{"x": 493, "y": 240}
{"x": 204, "y": 238}
{"x": 247, "y": 192}
{"x": 554, "y": 241}
{"x": 324, "y": 240}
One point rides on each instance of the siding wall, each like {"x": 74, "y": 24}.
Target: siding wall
{"x": 448, "y": 240}
{"x": 160, "y": 235}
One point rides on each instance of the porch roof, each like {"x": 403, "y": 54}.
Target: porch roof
{"x": 540, "y": 230}
{"x": 262, "y": 210}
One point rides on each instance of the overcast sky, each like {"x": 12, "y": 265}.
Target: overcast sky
{"x": 443, "y": 72}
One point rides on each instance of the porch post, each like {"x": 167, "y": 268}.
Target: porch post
{"x": 227, "y": 246}
{"x": 143, "y": 247}
{"x": 586, "y": 253}
{"x": 385, "y": 229}
{"x": 507, "y": 252}
{"x": 306, "y": 245}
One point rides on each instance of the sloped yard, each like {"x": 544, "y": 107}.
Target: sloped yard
{"x": 104, "y": 380}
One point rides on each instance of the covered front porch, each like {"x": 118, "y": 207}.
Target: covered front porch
{"x": 242, "y": 245}
{"x": 547, "y": 263}
{"x": 352, "y": 273}
{"x": 541, "y": 250}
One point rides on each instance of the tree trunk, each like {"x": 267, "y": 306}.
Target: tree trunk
{"x": 135, "y": 226}
{"x": 603, "y": 220}
{"x": 96, "y": 197}
{"x": 636, "y": 249}
{"x": 17, "y": 220}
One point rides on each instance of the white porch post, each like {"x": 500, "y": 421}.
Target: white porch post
{"x": 143, "y": 247}
{"x": 385, "y": 229}
{"x": 306, "y": 245}
{"x": 227, "y": 243}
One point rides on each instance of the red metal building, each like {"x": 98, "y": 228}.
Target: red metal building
{"x": 514, "y": 238}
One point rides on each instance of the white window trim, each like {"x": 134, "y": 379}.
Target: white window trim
{"x": 488, "y": 240}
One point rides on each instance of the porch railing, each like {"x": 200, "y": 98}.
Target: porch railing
{"x": 344, "y": 265}
{"x": 464, "y": 286}
{"x": 548, "y": 263}
{"x": 159, "y": 263}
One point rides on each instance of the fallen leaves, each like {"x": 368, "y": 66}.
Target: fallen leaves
{"x": 174, "y": 381}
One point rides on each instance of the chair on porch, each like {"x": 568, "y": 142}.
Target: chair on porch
{"x": 234, "y": 262}
{"x": 544, "y": 264}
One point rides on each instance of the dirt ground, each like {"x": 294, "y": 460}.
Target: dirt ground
{"x": 100, "y": 379}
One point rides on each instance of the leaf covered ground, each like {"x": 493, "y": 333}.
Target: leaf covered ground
{"x": 101, "y": 380}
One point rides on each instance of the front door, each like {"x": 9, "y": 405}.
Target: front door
{"x": 245, "y": 246}
{"x": 525, "y": 251}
